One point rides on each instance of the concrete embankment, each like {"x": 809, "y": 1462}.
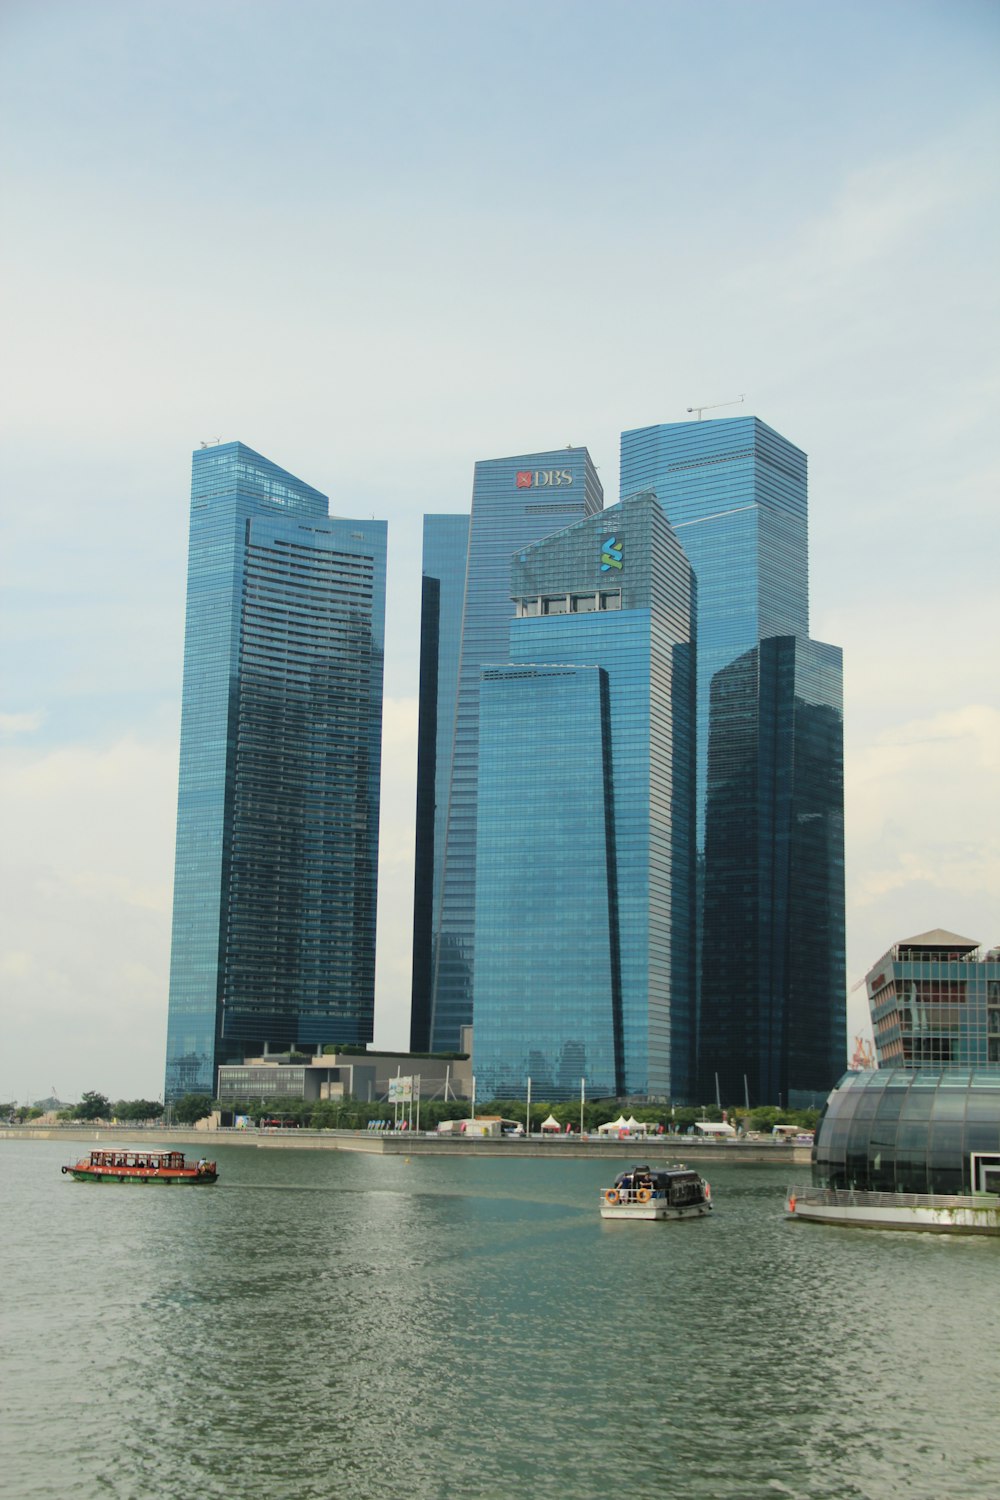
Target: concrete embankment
{"x": 655, "y": 1149}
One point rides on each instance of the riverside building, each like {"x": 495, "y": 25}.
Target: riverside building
{"x": 273, "y": 940}
{"x": 771, "y": 993}
{"x": 585, "y": 819}
{"x": 515, "y": 501}
{"x": 935, "y": 1003}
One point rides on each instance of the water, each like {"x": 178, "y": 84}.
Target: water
{"x": 327, "y": 1325}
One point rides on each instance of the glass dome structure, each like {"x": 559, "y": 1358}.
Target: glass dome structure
{"x": 897, "y": 1131}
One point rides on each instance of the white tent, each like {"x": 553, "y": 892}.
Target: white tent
{"x": 620, "y": 1124}
{"x": 714, "y": 1127}
{"x": 637, "y": 1125}
{"x": 551, "y": 1124}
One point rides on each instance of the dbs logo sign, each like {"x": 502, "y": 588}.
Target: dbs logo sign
{"x": 540, "y": 479}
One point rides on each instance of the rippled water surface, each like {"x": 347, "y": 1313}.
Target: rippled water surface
{"x": 331, "y": 1325}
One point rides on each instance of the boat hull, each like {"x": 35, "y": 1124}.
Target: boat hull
{"x": 166, "y": 1179}
{"x": 654, "y": 1211}
{"x": 935, "y": 1214}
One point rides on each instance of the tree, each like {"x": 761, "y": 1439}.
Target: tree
{"x": 138, "y": 1109}
{"x": 191, "y": 1108}
{"x": 93, "y": 1106}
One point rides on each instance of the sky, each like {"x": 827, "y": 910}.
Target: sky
{"x": 377, "y": 243}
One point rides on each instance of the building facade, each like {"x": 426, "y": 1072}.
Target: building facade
{"x": 363, "y": 1076}
{"x": 515, "y": 501}
{"x": 935, "y": 1003}
{"x": 585, "y": 829}
{"x": 273, "y": 938}
{"x": 735, "y": 492}
{"x": 445, "y": 558}
{"x": 773, "y": 960}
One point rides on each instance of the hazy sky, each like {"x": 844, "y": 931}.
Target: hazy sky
{"x": 379, "y": 242}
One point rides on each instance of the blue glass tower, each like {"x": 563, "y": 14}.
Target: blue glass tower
{"x": 585, "y": 851}
{"x": 735, "y": 492}
{"x": 515, "y": 501}
{"x": 273, "y": 939}
{"x": 446, "y": 551}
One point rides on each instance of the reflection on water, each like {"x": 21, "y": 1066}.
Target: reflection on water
{"x": 325, "y": 1325}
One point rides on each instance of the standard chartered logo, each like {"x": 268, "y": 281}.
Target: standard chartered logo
{"x": 611, "y": 554}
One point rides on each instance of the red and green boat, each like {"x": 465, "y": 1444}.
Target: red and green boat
{"x": 140, "y": 1166}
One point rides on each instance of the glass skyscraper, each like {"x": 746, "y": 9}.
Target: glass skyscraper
{"x": 735, "y": 492}
{"x": 515, "y": 501}
{"x": 585, "y": 847}
{"x": 772, "y": 981}
{"x": 273, "y": 940}
{"x": 446, "y": 551}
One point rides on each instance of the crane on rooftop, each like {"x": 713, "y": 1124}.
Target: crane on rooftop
{"x": 715, "y": 406}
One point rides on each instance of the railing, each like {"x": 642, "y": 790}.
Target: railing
{"x": 861, "y": 1198}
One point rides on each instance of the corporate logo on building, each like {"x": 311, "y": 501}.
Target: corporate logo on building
{"x": 611, "y": 554}
{"x": 540, "y": 479}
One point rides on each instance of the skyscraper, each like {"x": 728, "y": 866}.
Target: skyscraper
{"x": 273, "y": 940}
{"x": 446, "y": 551}
{"x": 772, "y": 980}
{"x": 585, "y": 850}
{"x": 735, "y": 493}
{"x": 515, "y": 501}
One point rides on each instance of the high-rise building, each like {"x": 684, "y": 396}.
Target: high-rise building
{"x": 773, "y": 961}
{"x": 935, "y": 1003}
{"x": 735, "y": 493}
{"x": 515, "y": 501}
{"x": 446, "y": 551}
{"x": 585, "y": 848}
{"x": 273, "y": 941}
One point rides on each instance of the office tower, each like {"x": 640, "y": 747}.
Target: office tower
{"x": 446, "y": 550}
{"x": 735, "y": 493}
{"x": 515, "y": 501}
{"x": 585, "y": 849}
{"x": 773, "y": 961}
{"x": 273, "y": 942}
{"x": 935, "y": 1003}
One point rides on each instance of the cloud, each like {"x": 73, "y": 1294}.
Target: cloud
{"x": 15, "y": 724}
{"x": 84, "y": 942}
{"x": 923, "y": 832}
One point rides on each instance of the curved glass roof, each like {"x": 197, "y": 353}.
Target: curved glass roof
{"x": 908, "y": 1132}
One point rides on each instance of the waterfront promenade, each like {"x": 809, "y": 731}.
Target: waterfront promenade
{"x": 656, "y": 1148}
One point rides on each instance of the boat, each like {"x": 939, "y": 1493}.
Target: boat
{"x": 140, "y": 1166}
{"x": 645, "y": 1192}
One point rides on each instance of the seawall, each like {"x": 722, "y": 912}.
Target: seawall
{"x": 655, "y": 1149}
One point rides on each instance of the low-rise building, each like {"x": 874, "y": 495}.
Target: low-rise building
{"x": 935, "y": 1003}
{"x": 367, "y": 1076}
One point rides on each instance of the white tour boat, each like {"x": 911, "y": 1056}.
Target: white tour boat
{"x": 645, "y": 1192}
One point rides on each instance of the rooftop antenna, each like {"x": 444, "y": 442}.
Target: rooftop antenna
{"x": 715, "y": 406}
{"x": 210, "y": 442}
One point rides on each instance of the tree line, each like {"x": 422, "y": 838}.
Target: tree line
{"x": 354, "y": 1114}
